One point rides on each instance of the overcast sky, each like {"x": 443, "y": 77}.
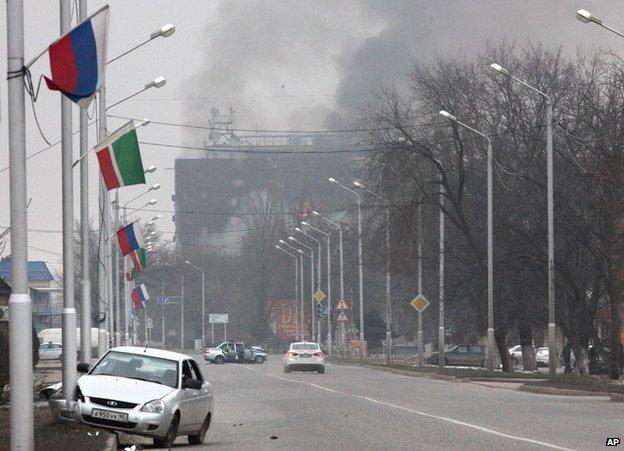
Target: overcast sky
{"x": 280, "y": 64}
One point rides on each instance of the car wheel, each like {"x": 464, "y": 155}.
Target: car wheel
{"x": 172, "y": 433}
{"x": 321, "y": 370}
{"x": 259, "y": 360}
{"x": 198, "y": 439}
{"x": 219, "y": 360}
{"x": 286, "y": 370}
{"x": 482, "y": 364}
{"x": 446, "y": 362}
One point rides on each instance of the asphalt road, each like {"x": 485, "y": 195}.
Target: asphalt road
{"x": 354, "y": 408}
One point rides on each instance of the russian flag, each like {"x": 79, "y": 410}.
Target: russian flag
{"x": 130, "y": 238}
{"x": 78, "y": 59}
{"x": 139, "y": 296}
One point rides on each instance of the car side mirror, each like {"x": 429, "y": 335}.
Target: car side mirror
{"x": 82, "y": 367}
{"x": 192, "y": 384}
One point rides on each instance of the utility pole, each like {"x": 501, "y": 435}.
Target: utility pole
{"x": 162, "y": 298}
{"x": 69, "y": 374}
{"x": 85, "y": 280}
{"x": 20, "y": 306}
{"x": 441, "y": 332}
{"x": 420, "y": 326}
{"x": 115, "y": 256}
{"x": 181, "y": 309}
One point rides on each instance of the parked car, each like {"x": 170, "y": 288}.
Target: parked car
{"x": 141, "y": 391}
{"x": 541, "y": 356}
{"x": 464, "y": 355}
{"x": 50, "y": 351}
{"x": 516, "y": 354}
{"x": 235, "y": 351}
{"x": 304, "y": 356}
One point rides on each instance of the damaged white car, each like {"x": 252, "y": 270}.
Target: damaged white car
{"x": 142, "y": 391}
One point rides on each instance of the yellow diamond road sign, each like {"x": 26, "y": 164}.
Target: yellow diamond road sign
{"x": 319, "y": 295}
{"x": 420, "y": 303}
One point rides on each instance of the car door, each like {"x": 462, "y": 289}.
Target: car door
{"x": 463, "y": 355}
{"x": 187, "y": 401}
{"x": 477, "y": 355}
{"x": 202, "y": 401}
{"x": 55, "y": 350}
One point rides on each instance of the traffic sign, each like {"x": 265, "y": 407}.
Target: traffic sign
{"x": 420, "y": 303}
{"x": 342, "y": 318}
{"x": 319, "y": 295}
{"x": 342, "y": 305}
{"x": 150, "y": 323}
{"x": 218, "y": 318}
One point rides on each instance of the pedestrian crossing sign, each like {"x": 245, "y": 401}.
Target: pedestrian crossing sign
{"x": 342, "y": 318}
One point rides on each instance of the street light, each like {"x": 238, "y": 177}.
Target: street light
{"x": 150, "y": 170}
{"x": 157, "y": 82}
{"x": 490, "y": 240}
{"x": 165, "y": 31}
{"x": 329, "y": 304}
{"x": 360, "y": 266}
{"x": 277, "y": 246}
{"x": 301, "y": 308}
{"x": 552, "y": 337}
{"x": 312, "y": 321}
{"x": 339, "y": 227}
{"x": 203, "y": 301}
{"x": 388, "y": 300}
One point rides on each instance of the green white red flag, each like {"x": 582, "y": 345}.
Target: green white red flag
{"x": 120, "y": 158}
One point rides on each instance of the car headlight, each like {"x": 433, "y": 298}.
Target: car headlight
{"x": 57, "y": 394}
{"x": 155, "y": 406}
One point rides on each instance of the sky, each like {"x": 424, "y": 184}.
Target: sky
{"x": 279, "y": 64}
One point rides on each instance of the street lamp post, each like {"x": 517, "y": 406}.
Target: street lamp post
{"x": 318, "y": 279}
{"x": 360, "y": 266}
{"x": 490, "y": 240}
{"x": 552, "y": 332}
{"x": 312, "y": 320}
{"x": 296, "y": 281}
{"x": 329, "y": 304}
{"x": 301, "y": 307}
{"x": 339, "y": 227}
{"x": 203, "y": 301}
{"x": 388, "y": 300}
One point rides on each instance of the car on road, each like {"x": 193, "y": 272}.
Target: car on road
{"x": 142, "y": 391}
{"x": 50, "y": 351}
{"x": 235, "y": 351}
{"x": 462, "y": 355}
{"x": 304, "y": 356}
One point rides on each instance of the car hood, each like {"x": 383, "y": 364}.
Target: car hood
{"x": 122, "y": 388}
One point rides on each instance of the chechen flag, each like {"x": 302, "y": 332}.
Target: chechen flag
{"x": 130, "y": 238}
{"x": 139, "y": 296}
{"x": 120, "y": 158}
{"x": 139, "y": 263}
{"x": 78, "y": 59}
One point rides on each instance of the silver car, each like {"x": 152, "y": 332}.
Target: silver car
{"x": 304, "y": 356}
{"x": 142, "y": 391}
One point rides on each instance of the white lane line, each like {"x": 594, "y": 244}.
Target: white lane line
{"x": 418, "y": 412}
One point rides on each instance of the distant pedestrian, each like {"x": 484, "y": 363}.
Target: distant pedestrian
{"x": 567, "y": 358}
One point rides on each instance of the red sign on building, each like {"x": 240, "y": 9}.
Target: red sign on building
{"x": 283, "y": 319}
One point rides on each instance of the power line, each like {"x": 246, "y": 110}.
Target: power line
{"x": 258, "y": 151}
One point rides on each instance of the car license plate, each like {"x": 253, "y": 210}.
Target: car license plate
{"x": 306, "y": 356}
{"x": 109, "y": 415}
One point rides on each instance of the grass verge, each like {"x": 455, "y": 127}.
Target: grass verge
{"x": 578, "y": 382}
{"x": 53, "y": 436}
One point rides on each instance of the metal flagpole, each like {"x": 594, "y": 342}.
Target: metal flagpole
{"x": 69, "y": 374}
{"x": 20, "y": 307}
{"x": 420, "y": 326}
{"x": 115, "y": 256}
{"x": 181, "y": 310}
{"x": 441, "y": 333}
{"x": 85, "y": 280}
{"x": 102, "y": 267}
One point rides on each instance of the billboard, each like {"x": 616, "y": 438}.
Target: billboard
{"x": 283, "y": 314}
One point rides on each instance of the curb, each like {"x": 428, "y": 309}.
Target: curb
{"x": 566, "y": 392}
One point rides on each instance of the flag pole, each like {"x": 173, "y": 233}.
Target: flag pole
{"x": 69, "y": 374}
{"x": 102, "y": 267}
{"x": 85, "y": 282}
{"x": 20, "y": 306}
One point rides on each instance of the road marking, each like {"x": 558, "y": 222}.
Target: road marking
{"x": 418, "y": 412}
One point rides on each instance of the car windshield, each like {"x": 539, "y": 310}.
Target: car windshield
{"x": 140, "y": 367}
{"x": 305, "y": 347}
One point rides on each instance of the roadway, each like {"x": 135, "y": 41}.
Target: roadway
{"x": 354, "y": 408}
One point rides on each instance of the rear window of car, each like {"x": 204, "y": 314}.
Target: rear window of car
{"x": 305, "y": 347}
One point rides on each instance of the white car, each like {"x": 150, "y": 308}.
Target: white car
{"x": 542, "y": 356}
{"x": 516, "y": 354}
{"x": 141, "y": 391}
{"x": 50, "y": 351}
{"x": 304, "y": 356}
